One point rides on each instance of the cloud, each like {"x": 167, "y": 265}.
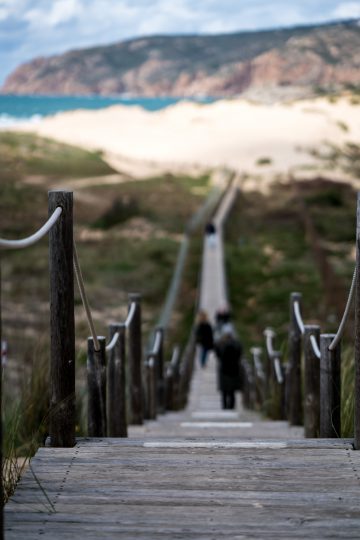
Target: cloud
{"x": 347, "y": 10}
{"x": 30, "y": 28}
{"x": 54, "y": 14}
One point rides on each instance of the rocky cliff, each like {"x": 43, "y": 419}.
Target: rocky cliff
{"x": 298, "y": 60}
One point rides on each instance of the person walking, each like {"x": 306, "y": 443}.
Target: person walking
{"x": 210, "y": 232}
{"x": 228, "y": 351}
{"x": 204, "y": 337}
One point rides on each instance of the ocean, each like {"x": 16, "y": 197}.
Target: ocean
{"x": 17, "y": 109}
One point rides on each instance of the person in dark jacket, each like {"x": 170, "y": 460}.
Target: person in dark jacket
{"x": 210, "y": 232}
{"x": 228, "y": 351}
{"x": 204, "y": 337}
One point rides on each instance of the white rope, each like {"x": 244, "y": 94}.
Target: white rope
{"x": 269, "y": 335}
{"x": 298, "y": 317}
{"x": 256, "y": 352}
{"x": 131, "y": 314}
{"x": 278, "y": 370}
{"x": 175, "y": 356}
{"x": 25, "y": 242}
{"x": 151, "y": 362}
{"x": 340, "y": 332}
{"x": 127, "y": 323}
{"x": 113, "y": 342}
{"x": 315, "y": 346}
{"x": 84, "y": 299}
{"x": 157, "y": 343}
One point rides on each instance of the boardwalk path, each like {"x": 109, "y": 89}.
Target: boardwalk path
{"x": 201, "y": 473}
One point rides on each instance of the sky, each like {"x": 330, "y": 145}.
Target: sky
{"x": 32, "y": 28}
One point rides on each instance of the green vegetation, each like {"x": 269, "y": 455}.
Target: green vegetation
{"x": 267, "y": 257}
{"x": 347, "y": 392}
{"x": 24, "y": 154}
{"x": 263, "y": 161}
{"x": 343, "y": 126}
{"x": 346, "y": 158}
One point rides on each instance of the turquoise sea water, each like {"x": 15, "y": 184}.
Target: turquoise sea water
{"x": 15, "y": 109}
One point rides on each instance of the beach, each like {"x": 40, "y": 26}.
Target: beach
{"x": 249, "y": 138}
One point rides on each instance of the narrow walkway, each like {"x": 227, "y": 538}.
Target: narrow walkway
{"x": 201, "y": 473}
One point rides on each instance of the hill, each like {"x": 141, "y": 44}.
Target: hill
{"x": 287, "y": 62}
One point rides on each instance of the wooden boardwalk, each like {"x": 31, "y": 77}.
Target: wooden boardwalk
{"x": 200, "y": 473}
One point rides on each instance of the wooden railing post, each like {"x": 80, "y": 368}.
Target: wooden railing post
{"x": 151, "y": 406}
{"x": 279, "y": 388}
{"x": 169, "y": 388}
{"x": 1, "y": 429}
{"x": 135, "y": 362}
{"x": 96, "y": 376}
{"x": 259, "y": 378}
{"x": 116, "y": 380}
{"x": 311, "y": 384}
{"x": 294, "y": 393}
{"x": 330, "y": 388}
{"x": 357, "y": 333}
{"x": 62, "y": 325}
{"x": 160, "y": 375}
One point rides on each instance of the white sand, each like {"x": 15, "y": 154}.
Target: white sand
{"x": 232, "y": 133}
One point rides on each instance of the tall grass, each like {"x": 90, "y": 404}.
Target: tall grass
{"x": 25, "y": 418}
{"x": 347, "y": 392}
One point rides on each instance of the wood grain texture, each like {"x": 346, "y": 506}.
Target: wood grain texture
{"x": 357, "y": 331}
{"x": 135, "y": 363}
{"x": 62, "y": 325}
{"x": 311, "y": 384}
{"x": 330, "y": 388}
{"x": 116, "y": 385}
{"x": 294, "y": 393}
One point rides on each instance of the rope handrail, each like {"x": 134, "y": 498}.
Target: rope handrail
{"x": 278, "y": 370}
{"x": 130, "y": 315}
{"x": 340, "y": 331}
{"x": 298, "y": 317}
{"x": 269, "y": 335}
{"x": 113, "y": 342}
{"x": 30, "y": 240}
{"x": 84, "y": 299}
{"x": 175, "y": 356}
{"x": 173, "y": 364}
{"x": 256, "y": 352}
{"x": 127, "y": 323}
{"x": 274, "y": 355}
{"x": 157, "y": 342}
{"x": 315, "y": 346}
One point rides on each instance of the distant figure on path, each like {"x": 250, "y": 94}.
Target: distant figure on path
{"x": 204, "y": 336}
{"x": 210, "y": 231}
{"x": 228, "y": 351}
{"x": 222, "y": 316}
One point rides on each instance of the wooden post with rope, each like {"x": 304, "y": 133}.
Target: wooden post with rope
{"x": 135, "y": 362}
{"x": 357, "y": 333}
{"x": 160, "y": 376}
{"x": 116, "y": 384}
{"x": 311, "y": 383}
{"x": 1, "y": 431}
{"x": 330, "y": 388}
{"x": 151, "y": 393}
{"x": 294, "y": 405}
{"x": 62, "y": 325}
{"x": 96, "y": 376}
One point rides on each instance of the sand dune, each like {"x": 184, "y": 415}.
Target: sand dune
{"x": 232, "y": 133}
